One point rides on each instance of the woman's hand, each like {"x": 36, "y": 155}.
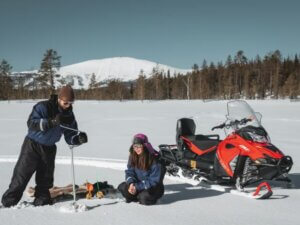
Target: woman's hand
{"x": 132, "y": 189}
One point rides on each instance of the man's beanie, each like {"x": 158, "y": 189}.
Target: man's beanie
{"x": 66, "y": 93}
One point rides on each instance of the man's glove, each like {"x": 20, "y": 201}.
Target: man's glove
{"x": 80, "y": 138}
{"x": 55, "y": 121}
{"x": 61, "y": 119}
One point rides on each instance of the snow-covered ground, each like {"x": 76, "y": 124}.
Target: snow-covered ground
{"x": 110, "y": 126}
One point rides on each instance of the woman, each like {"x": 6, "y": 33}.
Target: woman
{"x": 144, "y": 174}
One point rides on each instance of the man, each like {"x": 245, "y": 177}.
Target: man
{"x": 45, "y": 128}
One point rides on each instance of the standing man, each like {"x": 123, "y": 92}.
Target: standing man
{"x": 39, "y": 149}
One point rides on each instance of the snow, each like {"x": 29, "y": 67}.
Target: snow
{"x": 73, "y": 208}
{"x": 111, "y": 125}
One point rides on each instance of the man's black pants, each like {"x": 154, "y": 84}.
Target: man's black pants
{"x": 34, "y": 157}
{"x": 145, "y": 197}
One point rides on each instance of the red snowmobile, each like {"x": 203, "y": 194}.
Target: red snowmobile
{"x": 244, "y": 157}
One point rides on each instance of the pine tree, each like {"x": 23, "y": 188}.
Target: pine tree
{"x": 6, "y": 83}
{"x": 168, "y": 85}
{"x": 291, "y": 86}
{"x": 157, "y": 79}
{"x": 93, "y": 87}
{"x": 220, "y": 78}
{"x": 201, "y": 79}
{"x": 240, "y": 60}
{"x": 276, "y": 64}
{"x": 140, "y": 89}
{"x": 49, "y": 66}
{"x": 195, "y": 67}
{"x": 228, "y": 78}
{"x": 93, "y": 83}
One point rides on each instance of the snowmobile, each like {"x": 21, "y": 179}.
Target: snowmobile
{"x": 244, "y": 157}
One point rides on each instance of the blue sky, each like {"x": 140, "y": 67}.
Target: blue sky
{"x": 178, "y": 33}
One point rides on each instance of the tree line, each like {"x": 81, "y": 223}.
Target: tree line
{"x": 272, "y": 76}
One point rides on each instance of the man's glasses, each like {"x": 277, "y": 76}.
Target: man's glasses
{"x": 66, "y": 102}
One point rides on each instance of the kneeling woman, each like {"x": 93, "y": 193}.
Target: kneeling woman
{"x": 144, "y": 174}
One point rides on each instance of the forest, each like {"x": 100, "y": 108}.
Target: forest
{"x": 271, "y": 76}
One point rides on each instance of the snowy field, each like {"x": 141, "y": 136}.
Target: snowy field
{"x": 110, "y": 126}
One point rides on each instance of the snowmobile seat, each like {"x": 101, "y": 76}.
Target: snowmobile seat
{"x": 198, "y": 144}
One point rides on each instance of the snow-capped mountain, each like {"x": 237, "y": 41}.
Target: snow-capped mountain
{"x": 122, "y": 68}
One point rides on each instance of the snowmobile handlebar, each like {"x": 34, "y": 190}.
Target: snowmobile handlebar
{"x": 244, "y": 121}
{"x": 221, "y": 126}
{"x": 232, "y": 123}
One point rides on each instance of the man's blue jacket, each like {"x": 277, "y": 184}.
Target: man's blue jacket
{"x": 39, "y": 128}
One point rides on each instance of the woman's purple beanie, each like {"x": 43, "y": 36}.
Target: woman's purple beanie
{"x": 143, "y": 139}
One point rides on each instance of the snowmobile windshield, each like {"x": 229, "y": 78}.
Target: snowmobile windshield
{"x": 239, "y": 110}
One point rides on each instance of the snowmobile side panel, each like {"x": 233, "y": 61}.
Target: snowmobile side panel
{"x": 226, "y": 155}
{"x": 211, "y": 146}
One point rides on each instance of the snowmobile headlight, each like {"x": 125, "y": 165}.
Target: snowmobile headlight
{"x": 259, "y": 138}
{"x": 261, "y": 161}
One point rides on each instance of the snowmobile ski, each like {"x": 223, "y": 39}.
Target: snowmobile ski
{"x": 262, "y": 191}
